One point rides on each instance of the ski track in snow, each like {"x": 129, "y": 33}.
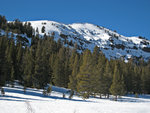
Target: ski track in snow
{"x": 29, "y": 107}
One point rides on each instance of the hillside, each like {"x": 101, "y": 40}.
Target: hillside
{"x": 33, "y": 101}
{"x": 34, "y": 60}
{"x": 87, "y": 36}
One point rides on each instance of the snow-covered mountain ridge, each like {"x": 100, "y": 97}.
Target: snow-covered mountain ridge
{"x": 87, "y": 36}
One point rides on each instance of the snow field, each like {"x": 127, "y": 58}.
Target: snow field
{"x": 15, "y": 101}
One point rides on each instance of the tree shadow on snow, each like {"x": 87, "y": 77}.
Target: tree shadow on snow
{"x": 15, "y": 98}
{"x": 32, "y": 92}
{"x": 133, "y": 99}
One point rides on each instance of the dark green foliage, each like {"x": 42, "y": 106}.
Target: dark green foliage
{"x": 98, "y": 78}
{"x": 3, "y": 61}
{"x": 47, "y": 61}
{"x": 43, "y": 29}
{"x": 11, "y": 61}
{"x": 49, "y": 90}
{"x": 84, "y": 85}
{"x": 16, "y": 26}
{"x": 107, "y": 78}
{"x": 2, "y": 92}
{"x": 19, "y": 61}
{"x": 73, "y": 77}
{"x": 61, "y": 72}
{"x": 71, "y": 94}
{"x": 118, "y": 87}
{"x": 28, "y": 68}
{"x": 3, "y": 22}
{"x": 42, "y": 69}
{"x": 145, "y": 80}
{"x": 22, "y": 40}
{"x": 136, "y": 81}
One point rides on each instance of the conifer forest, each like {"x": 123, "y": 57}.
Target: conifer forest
{"x": 47, "y": 61}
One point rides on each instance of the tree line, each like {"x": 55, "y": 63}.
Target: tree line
{"x": 87, "y": 74}
{"x": 16, "y": 26}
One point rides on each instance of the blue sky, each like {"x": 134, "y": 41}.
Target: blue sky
{"x": 127, "y": 17}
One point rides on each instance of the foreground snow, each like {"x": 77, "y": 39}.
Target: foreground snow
{"x": 33, "y": 101}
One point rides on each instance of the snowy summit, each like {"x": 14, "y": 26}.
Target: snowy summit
{"x": 87, "y": 36}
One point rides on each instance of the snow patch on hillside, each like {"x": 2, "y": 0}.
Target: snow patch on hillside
{"x": 15, "y": 35}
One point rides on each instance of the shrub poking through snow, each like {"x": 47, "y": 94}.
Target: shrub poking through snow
{"x": 49, "y": 90}
{"x": 71, "y": 94}
{"x": 2, "y": 92}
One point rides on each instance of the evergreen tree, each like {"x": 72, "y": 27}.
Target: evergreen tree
{"x": 83, "y": 78}
{"x": 59, "y": 70}
{"x": 3, "y": 63}
{"x": 19, "y": 56}
{"x": 73, "y": 77}
{"x": 72, "y": 58}
{"x": 107, "y": 78}
{"x": 94, "y": 62}
{"x": 145, "y": 80}
{"x": 128, "y": 73}
{"x": 11, "y": 58}
{"x": 95, "y": 55}
{"x": 41, "y": 74}
{"x": 67, "y": 70}
{"x": 3, "y": 22}
{"x": 43, "y": 29}
{"x": 28, "y": 66}
{"x": 37, "y": 31}
{"x": 98, "y": 79}
{"x": 12, "y": 76}
{"x": 59, "y": 44}
{"x": 136, "y": 81}
{"x": 118, "y": 86}
{"x": 58, "y": 73}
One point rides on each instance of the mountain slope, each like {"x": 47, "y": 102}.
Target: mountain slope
{"x": 87, "y": 36}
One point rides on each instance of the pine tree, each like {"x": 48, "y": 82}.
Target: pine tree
{"x": 12, "y": 76}
{"x": 58, "y": 73}
{"x": 95, "y": 55}
{"x": 28, "y": 68}
{"x": 10, "y": 57}
{"x": 37, "y": 31}
{"x": 98, "y": 81}
{"x": 41, "y": 74}
{"x": 72, "y": 58}
{"x": 19, "y": 56}
{"x": 107, "y": 78}
{"x": 128, "y": 73}
{"x": 145, "y": 80}
{"x": 73, "y": 77}
{"x": 43, "y": 29}
{"x": 67, "y": 70}
{"x": 94, "y": 62}
{"x": 136, "y": 81}
{"x": 83, "y": 78}
{"x": 3, "y": 63}
{"x": 118, "y": 86}
{"x": 59, "y": 44}
{"x": 59, "y": 70}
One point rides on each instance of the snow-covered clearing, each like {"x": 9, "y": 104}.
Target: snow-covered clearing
{"x": 15, "y": 101}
